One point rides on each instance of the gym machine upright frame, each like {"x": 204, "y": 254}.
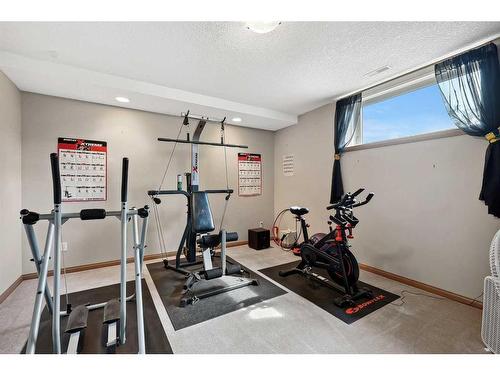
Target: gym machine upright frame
{"x": 188, "y": 241}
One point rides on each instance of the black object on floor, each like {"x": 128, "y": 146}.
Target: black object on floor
{"x": 259, "y": 238}
{"x": 170, "y": 286}
{"x": 323, "y": 296}
{"x": 95, "y": 333}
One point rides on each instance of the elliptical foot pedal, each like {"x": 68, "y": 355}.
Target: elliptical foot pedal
{"x": 77, "y": 322}
{"x": 111, "y": 319}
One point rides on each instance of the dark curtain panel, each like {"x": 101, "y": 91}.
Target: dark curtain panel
{"x": 470, "y": 87}
{"x": 347, "y": 112}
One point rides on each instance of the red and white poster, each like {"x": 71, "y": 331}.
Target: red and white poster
{"x": 249, "y": 174}
{"x": 82, "y": 164}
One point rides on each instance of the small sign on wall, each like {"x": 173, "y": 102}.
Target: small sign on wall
{"x": 249, "y": 174}
{"x": 82, "y": 164}
{"x": 288, "y": 165}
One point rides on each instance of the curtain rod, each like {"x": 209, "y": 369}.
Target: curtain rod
{"x": 482, "y": 42}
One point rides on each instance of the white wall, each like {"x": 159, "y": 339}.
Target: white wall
{"x": 425, "y": 222}
{"x": 10, "y": 187}
{"x": 134, "y": 134}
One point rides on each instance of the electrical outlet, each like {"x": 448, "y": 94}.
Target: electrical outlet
{"x": 64, "y": 246}
{"x": 261, "y": 224}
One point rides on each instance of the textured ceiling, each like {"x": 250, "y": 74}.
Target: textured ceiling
{"x": 292, "y": 70}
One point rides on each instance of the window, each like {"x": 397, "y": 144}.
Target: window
{"x": 402, "y": 109}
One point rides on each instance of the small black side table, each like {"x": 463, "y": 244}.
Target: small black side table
{"x": 259, "y": 238}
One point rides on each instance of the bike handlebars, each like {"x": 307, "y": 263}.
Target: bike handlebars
{"x": 367, "y": 199}
{"x": 348, "y": 201}
{"x": 357, "y": 192}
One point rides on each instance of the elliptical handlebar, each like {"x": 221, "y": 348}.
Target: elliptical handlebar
{"x": 124, "y": 179}
{"x": 56, "y": 177}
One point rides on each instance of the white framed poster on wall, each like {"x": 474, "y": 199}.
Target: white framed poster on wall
{"x": 83, "y": 168}
{"x": 249, "y": 174}
{"x": 288, "y": 165}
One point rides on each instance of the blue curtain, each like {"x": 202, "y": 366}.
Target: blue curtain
{"x": 347, "y": 112}
{"x": 470, "y": 87}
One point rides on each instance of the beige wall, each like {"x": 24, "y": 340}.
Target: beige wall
{"x": 133, "y": 134}
{"x": 425, "y": 222}
{"x": 10, "y": 187}
{"x": 311, "y": 143}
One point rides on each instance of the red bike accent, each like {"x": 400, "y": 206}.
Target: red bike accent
{"x": 338, "y": 236}
{"x": 349, "y": 229}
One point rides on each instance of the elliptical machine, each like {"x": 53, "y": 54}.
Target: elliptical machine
{"x": 114, "y": 310}
{"x": 326, "y": 251}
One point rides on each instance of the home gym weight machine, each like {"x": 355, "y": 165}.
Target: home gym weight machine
{"x": 331, "y": 252}
{"x": 199, "y": 221}
{"x": 115, "y": 313}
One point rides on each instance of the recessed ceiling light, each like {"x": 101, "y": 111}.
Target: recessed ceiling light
{"x": 262, "y": 27}
{"x": 237, "y": 119}
{"x": 122, "y": 99}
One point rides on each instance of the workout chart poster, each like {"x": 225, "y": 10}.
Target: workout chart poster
{"x": 249, "y": 174}
{"x": 82, "y": 164}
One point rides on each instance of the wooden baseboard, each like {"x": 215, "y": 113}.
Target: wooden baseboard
{"x": 236, "y": 243}
{"x": 116, "y": 262}
{"x": 389, "y": 275}
{"x": 10, "y": 289}
{"x": 426, "y": 287}
{"x": 93, "y": 266}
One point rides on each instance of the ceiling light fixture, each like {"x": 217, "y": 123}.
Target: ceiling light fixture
{"x": 262, "y": 27}
{"x": 236, "y": 119}
{"x": 122, "y": 99}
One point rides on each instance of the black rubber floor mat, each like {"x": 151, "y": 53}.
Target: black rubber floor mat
{"x": 323, "y": 296}
{"x": 95, "y": 333}
{"x": 170, "y": 286}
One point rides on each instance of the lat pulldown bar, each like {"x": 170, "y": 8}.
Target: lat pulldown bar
{"x": 201, "y": 143}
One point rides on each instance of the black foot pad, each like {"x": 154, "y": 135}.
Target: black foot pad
{"x": 111, "y": 311}
{"x": 77, "y": 319}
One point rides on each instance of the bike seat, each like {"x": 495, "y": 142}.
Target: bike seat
{"x": 299, "y": 211}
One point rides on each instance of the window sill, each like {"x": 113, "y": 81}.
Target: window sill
{"x": 414, "y": 138}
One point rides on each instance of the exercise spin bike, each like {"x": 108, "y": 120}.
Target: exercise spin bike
{"x": 326, "y": 250}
